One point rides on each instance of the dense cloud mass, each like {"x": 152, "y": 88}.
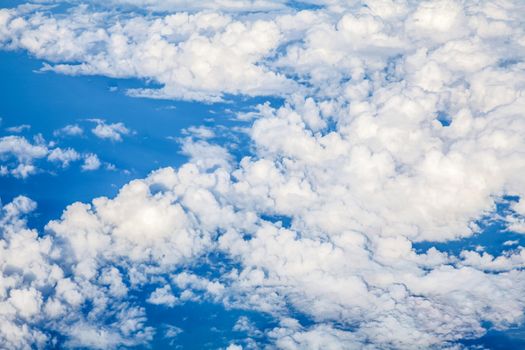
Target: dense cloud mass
{"x": 402, "y": 122}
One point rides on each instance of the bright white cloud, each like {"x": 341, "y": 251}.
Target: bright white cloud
{"x": 21, "y": 148}
{"x": 19, "y": 157}
{"x": 37, "y": 295}
{"x": 64, "y": 156}
{"x": 198, "y": 56}
{"x": 91, "y": 162}
{"x": 113, "y": 131}
{"x": 162, "y": 296}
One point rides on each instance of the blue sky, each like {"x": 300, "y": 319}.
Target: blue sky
{"x": 262, "y": 175}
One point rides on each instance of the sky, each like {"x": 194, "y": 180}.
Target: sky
{"x": 258, "y": 174}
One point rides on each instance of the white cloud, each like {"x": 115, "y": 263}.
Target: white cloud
{"x": 198, "y": 57}
{"x": 244, "y": 324}
{"x": 21, "y": 149}
{"x": 320, "y": 337}
{"x": 37, "y": 297}
{"x": 113, "y": 132}
{"x": 201, "y": 132}
{"x": 19, "y": 128}
{"x": 162, "y": 296}
{"x": 69, "y": 130}
{"x": 205, "y": 155}
{"x": 91, "y": 162}
{"x": 23, "y": 170}
{"x": 64, "y": 156}
{"x": 24, "y": 154}
{"x": 172, "y": 331}
{"x": 21, "y": 158}
{"x": 234, "y": 347}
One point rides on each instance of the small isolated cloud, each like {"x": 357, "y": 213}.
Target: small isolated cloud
{"x": 69, "y": 130}
{"x": 172, "y": 331}
{"x": 511, "y": 242}
{"x": 113, "y": 131}
{"x": 18, "y": 128}
{"x": 91, "y": 162}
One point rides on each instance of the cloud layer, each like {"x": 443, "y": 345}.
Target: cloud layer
{"x": 402, "y": 123}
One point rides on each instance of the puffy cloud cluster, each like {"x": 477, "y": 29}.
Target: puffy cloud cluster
{"x": 403, "y": 122}
{"x": 18, "y": 155}
{"x": 39, "y": 295}
{"x": 194, "y": 56}
{"x": 23, "y": 152}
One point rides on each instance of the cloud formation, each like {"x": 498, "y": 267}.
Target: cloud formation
{"x": 402, "y": 123}
{"x": 21, "y": 158}
{"x": 69, "y": 130}
{"x": 113, "y": 131}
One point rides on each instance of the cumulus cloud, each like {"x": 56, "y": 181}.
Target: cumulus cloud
{"x": 39, "y": 296}
{"x": 321, "y": 217}
{"x": 91, "y": 162}
{"x": 113, "y": 131}
{"x": 63, "y": 156}
{"x": 21, "y": 148}
{"x": 69, "y": 130}
{"x": 198, "y": 56}
{"x": 162, "y": 296}
{"x": 19, "y": 157}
